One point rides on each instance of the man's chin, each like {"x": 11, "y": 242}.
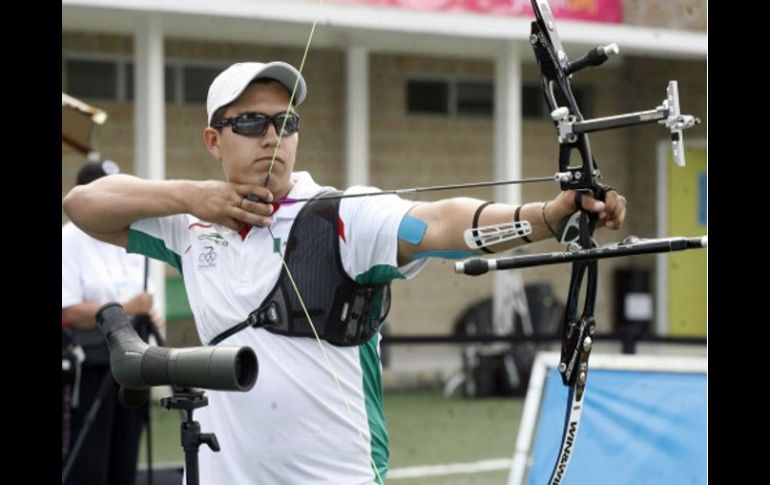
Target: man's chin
{"x": 279, "y": 186}
{"x": 258, "y": 179}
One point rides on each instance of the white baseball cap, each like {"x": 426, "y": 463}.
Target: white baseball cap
{"x": 231, "y": 82}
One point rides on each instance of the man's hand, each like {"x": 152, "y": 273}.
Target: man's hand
{"x": 140, "y": 304}
{"x": 225, "y": 203}
{"x": 159, "y": 322}
{"x": 612, "y": 212}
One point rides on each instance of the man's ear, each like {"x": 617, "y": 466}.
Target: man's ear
{"x": 212, "y": 139}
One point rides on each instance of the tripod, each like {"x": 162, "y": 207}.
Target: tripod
{"x": 138, "y": 367}
{"x": 144, "y": 327}
{"x": 186, "y": 400}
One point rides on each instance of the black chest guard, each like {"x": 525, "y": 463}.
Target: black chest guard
{"x": 344, "y": 312}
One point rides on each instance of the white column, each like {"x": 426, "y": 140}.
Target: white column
{"x": 150, "y": 122}
{"x": 356, "y": 116}
{"x": 508, "y": 142}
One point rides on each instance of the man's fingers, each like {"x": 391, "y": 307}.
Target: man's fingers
{"x": 251, "y": 190}
{"x": 254, "y": 219}
{"x": 590, "y": 204}
{"x": 252, "y": 207}
{"x": 583, "y": 200}
{"x": 253, "y": 214}
{"x": 616, "y": 210}
{"x": 611, "y": 212}
{"x": 615, "y": 215}
{"x": 231, "y": 224}
{"x": 258, "y": 208}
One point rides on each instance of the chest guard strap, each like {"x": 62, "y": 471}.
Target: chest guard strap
{"x": 344, "y": 312}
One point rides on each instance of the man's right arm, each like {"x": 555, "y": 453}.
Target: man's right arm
{"x": 105, "y": 208}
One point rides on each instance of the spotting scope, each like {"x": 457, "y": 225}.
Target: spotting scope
{"x": 136, "y": 365}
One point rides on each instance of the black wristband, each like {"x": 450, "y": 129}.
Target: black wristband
{"x": 476, "y": 224}
{"x": 545, "y": 219}
{"x": 516, "y": 219}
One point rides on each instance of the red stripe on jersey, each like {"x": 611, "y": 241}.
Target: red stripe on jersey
{"x": 199, "y": 224}
{"x": 341, "y": 228}
{"x": 244, "y": 230}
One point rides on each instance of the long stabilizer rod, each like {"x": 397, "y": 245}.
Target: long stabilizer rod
{"x": 629, "y": 247}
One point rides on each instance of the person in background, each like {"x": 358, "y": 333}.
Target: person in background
{"x": 94, "y": 273}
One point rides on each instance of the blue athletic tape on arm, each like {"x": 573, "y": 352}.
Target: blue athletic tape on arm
{"x": 445, "y": 254}
{"x": 412, "y": 230}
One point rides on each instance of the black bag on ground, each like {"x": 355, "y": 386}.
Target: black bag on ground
{"x": 497, "y": 371}
{"x": 503, "y": 369}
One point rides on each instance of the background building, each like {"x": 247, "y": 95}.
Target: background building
{"x": 403, "y": 97}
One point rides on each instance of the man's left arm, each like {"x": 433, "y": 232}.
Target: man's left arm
{"x": 442, "y": 223}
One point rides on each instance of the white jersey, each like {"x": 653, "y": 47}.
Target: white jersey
{"x": 95, "y": 271}
{"x": 293, "y": 427}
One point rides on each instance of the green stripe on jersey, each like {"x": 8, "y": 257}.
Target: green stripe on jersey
{"x": 153, "y": 247}
{"x": 372, "y": 381}
{"x": 381, "y": 273}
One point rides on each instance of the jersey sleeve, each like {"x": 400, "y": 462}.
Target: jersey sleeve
{"x": 368, "y": 228}
{"x": 71, "y": 288}
{"x": 162, "y": 238}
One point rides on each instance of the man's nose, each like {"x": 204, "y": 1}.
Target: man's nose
{"x": 271, "y": 134}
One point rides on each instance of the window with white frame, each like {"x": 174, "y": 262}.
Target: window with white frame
{"x": 112, "y": 78}
{"x": 457, "y": 97}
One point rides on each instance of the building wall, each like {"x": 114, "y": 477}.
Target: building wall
{"x": 408, "y": 150}
{"x": 321, "y": 141}
{"x": 668, "y": 14}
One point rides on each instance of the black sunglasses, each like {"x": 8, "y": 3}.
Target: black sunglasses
{"x": 255, "y": 124}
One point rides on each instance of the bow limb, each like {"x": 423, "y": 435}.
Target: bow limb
{"x": 578, "y": 326}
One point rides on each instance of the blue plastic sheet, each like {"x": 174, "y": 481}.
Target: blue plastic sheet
{"x": 636, "y": 428}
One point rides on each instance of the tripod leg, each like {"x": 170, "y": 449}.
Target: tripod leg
{"x": 106, "y": 388}
{"x": 148, "y": 419}
{"x": 65, "y": 421}
{"x": 124, "y": 446}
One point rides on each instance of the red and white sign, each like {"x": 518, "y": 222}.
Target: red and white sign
{"x": 609, "y": 11}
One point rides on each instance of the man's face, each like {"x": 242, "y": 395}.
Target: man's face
{"x": 246, "y": 159}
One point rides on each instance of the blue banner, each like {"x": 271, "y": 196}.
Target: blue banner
{"x": 636, "y": 428}
{"x": 703, "y": 197}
